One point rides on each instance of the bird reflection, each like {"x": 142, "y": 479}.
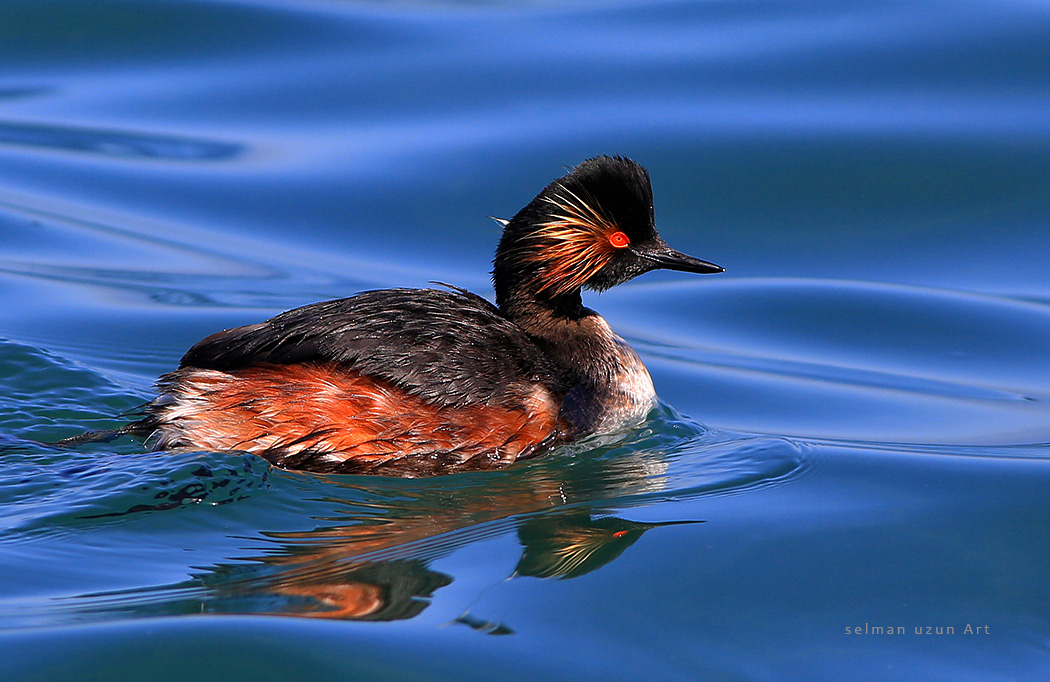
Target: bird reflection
{"x": 570, "y": 545}
{"x": 380, "y": 591}
{"x": 378, "y": 568}
{"x": 557, "y": 546}
{"x": 374, "y": 562}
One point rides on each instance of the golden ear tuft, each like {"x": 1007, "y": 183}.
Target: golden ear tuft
{"x": 574, "y": 245}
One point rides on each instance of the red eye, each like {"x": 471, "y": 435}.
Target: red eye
{"x": 619, "y": 240}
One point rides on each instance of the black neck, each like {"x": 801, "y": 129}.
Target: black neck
{"x": 574, "y": 336}
{"x": 591, "y": 358}
{"x": 528, "y": 308}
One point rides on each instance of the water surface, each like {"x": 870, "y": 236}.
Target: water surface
{"x": 854, "y": 431}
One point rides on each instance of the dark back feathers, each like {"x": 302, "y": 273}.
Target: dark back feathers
{"x": 448, "y": 347}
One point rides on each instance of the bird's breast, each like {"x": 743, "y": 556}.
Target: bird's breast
{"x": 615, "y": 393}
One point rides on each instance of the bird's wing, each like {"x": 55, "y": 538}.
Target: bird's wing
{"x": 447, "y": 347}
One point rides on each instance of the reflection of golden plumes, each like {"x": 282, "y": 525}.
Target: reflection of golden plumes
{"x": 572, "y": 545}
{"x": 573, "y": 246}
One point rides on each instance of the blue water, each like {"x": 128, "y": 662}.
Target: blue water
{"x": 855, "y": 426}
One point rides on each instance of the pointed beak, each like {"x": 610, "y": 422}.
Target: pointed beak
{"x": 663, "y": 256}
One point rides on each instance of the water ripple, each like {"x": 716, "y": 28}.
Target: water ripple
{"x": 824, "y": 359}
{"x": 57, "y": 494}
{"x": 116, "y": 143}
{"x": 369, "y": 531}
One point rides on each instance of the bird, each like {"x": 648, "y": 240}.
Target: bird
{"x": 423, "y": 382}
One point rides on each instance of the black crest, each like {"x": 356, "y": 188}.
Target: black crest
{"x": 593, "y": 228}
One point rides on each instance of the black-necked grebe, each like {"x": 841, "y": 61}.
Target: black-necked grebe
{"x": 415, "y": 382}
